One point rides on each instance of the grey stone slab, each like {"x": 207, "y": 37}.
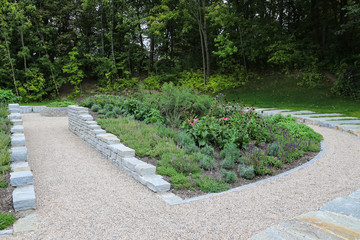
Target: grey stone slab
{"x": 26, "y": 109}
{"x": 344, "y": 122}
{"x": 18, "y": 140}
{"x": 170, "y": 198}
{"x": 21, "y": 178}
{"x": 131, "y": 163}
{"x": 14, "y": 116}
{"x": 94, "y": 126}
{"x": 24, "y": 198}
{"x": 266, "y": 235}
{"x": 13, "y": 105}
{"x": 297, "y": 112}
{"x": 86, "y": 117}
{"x": 355, "y": 194}
{"x": 17, "y": 129}
{"x": 16, "y": 122}
{"x": 37, "y": 109}
{"x": 332, "y": 222}
{"x": 344, "y": 205}
{"x": 14, "y": 110}
{"x": 319, "y": 115}
{"x": 20, "y": 166}
{"x": 26, "y": 224}
{"x": 273, "y": 112}
{"x": 122, "y": 150}
{"x": 145, "y": 169}
{"x": 301, "y": 230}
{"x": 156, "y": 183}
{"x": 108, "y": 138}
{"x": 19, "y": 154}
{"x": 6, "y": 232}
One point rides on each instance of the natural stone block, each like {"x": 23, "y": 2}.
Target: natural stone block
{"x": 14, "y": 110}
{"x": 37, "y": 109}
{"x": 16, "y": 122}
{"x": 131, "y": 163}
{"x": 21, "y": 178}
{"x": 156, "y": 183}
{"x": 344, "y": 205}
{"x": 108, "y": 138}
{"x": 14, "y": 116}
{"x": 19, "y": 154}
{"x": 145, "y": 169}
{"x": 170, "y": 198}
{"x": 20, "y": 166}
{"x": 13, "y": 105}
{"x": 122, "y": 150}
{"x": 18, "y": 140}
{"x": 6, "y": 232}
{"x": 24, "y": 198}
{"x": 17, "y": 129}
{"x": 355, "y": 194}
{"x": 26, "y": 109}
{"x": 26, "y": 224}
{"x": 86, "y": 117}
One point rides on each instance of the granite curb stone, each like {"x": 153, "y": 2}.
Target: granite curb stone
{"x": 24, "y": 198}
{"x": 21, "y": 178}
{"x": 19, "y": 154}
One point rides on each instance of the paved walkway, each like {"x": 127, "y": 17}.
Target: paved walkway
{"x": 80, "y": 195}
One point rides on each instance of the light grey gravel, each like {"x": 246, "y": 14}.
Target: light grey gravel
{"x": 82, "y": 196}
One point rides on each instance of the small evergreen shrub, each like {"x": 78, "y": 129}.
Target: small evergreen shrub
{"x": 111, "y": 114}
{"x": 207, "y": 162}
{"x": 3, "y": 184}
{"x": 227, "y": 163}
{"x": 230, "y": 152}
{"x": 117, "y": 110}
{"x": 108, "y": 107}
{"x": 185, "y": 139}
{"x": 6, "y": 220}
{"x": 179, "y": 181}
{"x": 102, "y": 111}
{"x": 191, "y": 148}
{"x": 95, "y": 107}
{"x": 246, "y": 172}
{"x": 208, "y": 150}
{"x": 274, "y": 149}
{"x": 229, "y": 177}
{"x": 102, "y": 116}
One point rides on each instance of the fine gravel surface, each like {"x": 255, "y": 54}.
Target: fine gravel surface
{"x": 80, "y": 195}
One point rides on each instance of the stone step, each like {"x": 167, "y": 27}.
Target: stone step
{"x": 170, "y": 198}
{"x": 21, "y": 178}
{"x": 20, "y": 166}
{"x": 344, "y": 205}
{"x": 14, "y": 116}
{"x": 16, "y": 122}
{"x": 24, "y": 198}
{"x": 156, "y": 183}
{"x": 26, "y": 224}
{"x": 18, "y": 139}
{"x": 122, "y": 150}
{"x": 17, "y": 129}
{"x": 18, "y": 154}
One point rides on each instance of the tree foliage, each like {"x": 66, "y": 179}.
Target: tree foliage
{"x": 46, "y": 44}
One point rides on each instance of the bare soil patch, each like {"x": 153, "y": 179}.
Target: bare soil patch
{"x": 6, "y": 204}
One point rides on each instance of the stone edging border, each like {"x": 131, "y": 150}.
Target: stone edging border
{"x": 21, "y": 176}
{"x": 110, "y": 147}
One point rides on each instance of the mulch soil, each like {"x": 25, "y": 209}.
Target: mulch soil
{"x": 6, "y": 204}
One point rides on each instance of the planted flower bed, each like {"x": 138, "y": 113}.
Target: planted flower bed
{"x": 201, "y": 144}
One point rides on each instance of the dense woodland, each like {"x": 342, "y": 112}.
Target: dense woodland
{"x": 46, "y": 44}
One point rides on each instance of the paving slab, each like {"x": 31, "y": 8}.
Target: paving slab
{"x": 18, "y": 140}
{"x": 21, "y": 178}
{"x": 24, "y": 198}
{"x": 16, "y": 122}
{"x": 329, "y": 222}
{"x": 14, "y": 116}
{"x": 355, "y": 194}
{"x": 122, "y": 150}
{"x": 26, "y": 224}
{"x": 20, "y": 166}
{"x": 170, "y": 198}
{"x": 345, "y": 205}
{"x": 156, "y": 183}
{"x": 18, "y": 154}
{"x": 17, "y": 129}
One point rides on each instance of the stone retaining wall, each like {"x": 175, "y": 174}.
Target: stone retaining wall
{"x": 45, "y": 111}
{"x": 21, "y": 176}
{"x": 110, "y": 147}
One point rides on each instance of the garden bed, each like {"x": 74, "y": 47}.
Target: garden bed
{"x": 204, "y": 146}
{"x": 6, "y": 203}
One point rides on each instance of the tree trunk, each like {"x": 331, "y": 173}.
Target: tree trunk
{"x": 242, "y": 49}
{"x": 102, "y": 30}
{"x": 11, "y": 64}
{"x": 202, "y": 53}
{"x": 206, "y": 41}
{"x": 151, "y": 54}
{"x": 23, "y": 46}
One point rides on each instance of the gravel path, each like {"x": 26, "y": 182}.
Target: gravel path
{"x": 82, "y": 196}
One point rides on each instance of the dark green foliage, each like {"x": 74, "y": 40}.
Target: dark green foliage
{"x": 246, "y": 172}
{"x": 7, "y": 96}
{"x": 227, "y": 163}
{"x": 6, "y": 220}
{"x": 274, "y": 149}
{"x": 3, "y": 184}
{"x": 102, "y": 111}
{"x": 230, "y": 152}
{"x": 206, "y": 162}
{"x": 111, "y": 114}
{"x": 348, "y": 83}
{"x": 208, "y": 151}
{"x": 108, "y": 107}
{"x": 117, "y": 110}
{"x": 95, "y": 107}
{"x": 208, "y": 184}
{"x": 229, "y": 177}
{"x": 64, "y": 103}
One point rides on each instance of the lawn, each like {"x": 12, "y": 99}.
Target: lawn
{"x": 283, "y": 93}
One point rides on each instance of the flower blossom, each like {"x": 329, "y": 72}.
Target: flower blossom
{"x": 192, "y": 123}
{"x": 225, "y": 118}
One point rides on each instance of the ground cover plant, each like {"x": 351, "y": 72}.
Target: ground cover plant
{"x": 6, "y": 219}
{"x": 221, "y": 144}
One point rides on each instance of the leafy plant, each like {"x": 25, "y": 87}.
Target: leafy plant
{"x": 95, "y": 107}
{"x": 246, "y": 172}
{"x": 229, "y": 177}
{"x": 7, "y": 96}
{"x": 206, "y": 162}
{"x": 6, "y": 220}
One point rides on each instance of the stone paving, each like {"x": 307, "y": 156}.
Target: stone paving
{"x": 337, "y": 219}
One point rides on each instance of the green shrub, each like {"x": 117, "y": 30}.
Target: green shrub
{"x": 4, "y": 156}
{"x": 207, "y": 162}
{"x": 230, "y": 152}
{"x": 246, "y": 172}
{"x": 101, "y": 116}
{"x": 111, "y": 114}
{"x": 64, "y": 103}
{"x": 167, "y": 171}
{"x": 227, "y": 163}
{"x": 102, "y": 111}
{"x": 208, "y": 184}
{"x": 191, "y": 148}
{"x": 117, "y": 110}
{"x": 208, "y": 151}
{"x": 3, "y": 184}
{"x": 108, "y": 107}
{"x": 4, "y": 140}
{"x": 6, "y": 220}
{"x": 184, "y": 139}
{"x": 310, "y": 79}
{"x": 179, "y": 181}
{"x": 95, "y": 107}
{"x": 348, "y": 83}
{"x": 7, "y": 96}
{"x": 274, "y": 149}
{"x": 184, "y": 164}
{"x": 229, "y": 177}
